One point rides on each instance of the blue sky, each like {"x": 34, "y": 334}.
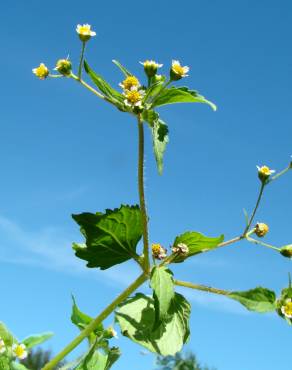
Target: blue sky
{"x": 63, "y": 151}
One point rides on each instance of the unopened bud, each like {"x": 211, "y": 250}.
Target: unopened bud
{"x": 110, "y": 333}
{"x": 64, "y": 67}
{"x": 261, "y": 229}
{"x": 150, "y": 67}
{"x": 286, "y": 251}
{"x": 181, "y": 249}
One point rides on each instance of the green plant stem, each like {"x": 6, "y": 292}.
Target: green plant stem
{"x": 255, "y": 209}
{"x": 81, "y": 60}
{"x": 258, "y": 242}
{"x": 231, "y": 241}
{"x": 279, "y": 174}
{"x": 95, "y": 92}
{"x": 203, "y": 288}
{"x": 142, "y": 194}
{"x": 94, "y": 324}
{"x": 162, "y": 89}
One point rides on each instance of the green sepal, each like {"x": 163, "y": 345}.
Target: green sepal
{"x": 122, "y": 68}
{"x": 259, "y": 299}
{"x": 111, "y": 237}
{"x": 182, "y": 94}
{"x": 196, "y": 243}
{"x": 36, "y": 339}
{"x": 136, "y": 317}
{"x": 113, "y": 95}
{"x": 161, "y": 282}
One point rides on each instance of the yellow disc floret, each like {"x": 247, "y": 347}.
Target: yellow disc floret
{"x": 19, "y": 351}
{"x": 133, "y": 96}
{"x": 84, "y": 32}
{"x": 177, "y": 71}
{"x": 264, "y": 172}
{"x": 261, "y": 229}
{"x": 158, "y": 251}
{"x": 41, "y": 71}
{"x": 287, "y": 309}
{"x": 130, "y": 82}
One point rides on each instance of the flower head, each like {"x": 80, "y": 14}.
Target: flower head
{"x": 150, "y": 67}
{"x": 130, "y": 82}
{"x": 264, "y": 173}
{"x": 286, "y": 309}
{"x": 261, "y": 229}
{"x": 2, "y": 346}
{"x": 177, "y": 71}
{"x": 181, "y": 249}
{"x": 134, "y": 97}
{"x": 111, "y": 333}
{"x": 158, "y": 251}
{"x": 41, "y": 71}
{"x": 19, "y": 350}
{"x": 64, "y": 67}
{"x": 84, "y": 32}
{"x": 286, "y": 251}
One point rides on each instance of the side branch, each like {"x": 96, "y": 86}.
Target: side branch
{"x": 203, "y": 288}
{"x": 94, "y": 324}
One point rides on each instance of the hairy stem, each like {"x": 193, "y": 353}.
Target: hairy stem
{"x": 94, "y": 324}
{"x": 81, "y": 60}
{"x": 231, "y": 241}
{"x": 142, "y": 194}
{"x": 204, "y": 288}
{"x": 255, "y": 209}
{"x": 258, "y": 242}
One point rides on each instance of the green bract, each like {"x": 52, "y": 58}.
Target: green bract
{"x": 111, "y": 237}
{"x": 136, "y": 317}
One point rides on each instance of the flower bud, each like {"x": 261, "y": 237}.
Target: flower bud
{"x": 64, "y": 67}
{"x": 158, "y": 251}
{"x": 110, "y": 333}
{"x": 264, "y": 173}
{"x": 286, "y": 251}
{"x": 181, "y": 249}
{"x": 261, "y": 229}
{"x": 150, "y": 67}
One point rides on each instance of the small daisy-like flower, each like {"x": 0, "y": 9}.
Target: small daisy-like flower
{"x": 150, "y": 67}
{"x": 84, "y": 32}
{"x": 129, "y": 83}
{"x": 64, "y": 67}
{"x": 177, "y": 71}
{"x": 41, "y": 71}
{"x": 158, "y": 251}
{"x": 264, "y": 172}
{"x": 19, "y": 350}
{"x": 286, "y": 309}
{"x": 261, "y": 229}
{"x": 181, "y": 248}
{"x": 134, "y": 97}
{"x": 2, "y": 346}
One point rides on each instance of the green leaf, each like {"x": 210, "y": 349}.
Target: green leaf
{"x": 136, "y": 317}
{"x": 150, "y": 116}
{"x": 113, "y": 95}
{"x": 112, "y": 356}
{"x": 197, "y": 243}
{"x": 181, "y": 95}
{"x": 160, "y": 140}
{"x": 154, "y": 90}
{"x": 17, "y": 366}
{"x": 34, "y": 340}
{"x": 95, "y": 360}
{"x": 163, "y": 292}
{"x": 5, "y": 363}
{"x": 6, "y": 335}
{"x": 122, "y": 68}
{"x": 258, "y": 299}
{"x": 111, "y": 238}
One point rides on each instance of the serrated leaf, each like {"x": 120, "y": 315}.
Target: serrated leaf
{"x": 136, "y": 317}
{"x": 34, "y": 340}
{"x": 111, "y": 238}
{"x": 113, "y": 95}
{"x": 160, "y": 140}
{"x": 258, "y": 299}
{"x": 196, "y": 243}
{"x": 6, "y": 335}
{"x": 122, "y": 68}
{"x": 161, "y": 282}
{"x": 174, "y": 95}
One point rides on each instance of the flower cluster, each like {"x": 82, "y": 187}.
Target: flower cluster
{"x": 177, "y": 71}
{"x": 158, "y": 251}
{"x": 84, "y": 31}
{"x": 181, "y": 249}
{"x": 261, "y": 229}
{"x": 133, "y": 92}
{"x": 41, "y": 71}
{"x": 286, "y": 308}
{"x": 18, "y": 349}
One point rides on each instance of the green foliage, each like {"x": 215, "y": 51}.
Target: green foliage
{"x": 136, "y": 317}
{"x": 113, "y": 95}
{"x": 258, "y": 299}
{"x": 180, "y": 362}
{"x": 160, "y": 140}
{"x": 161, "y": 282}
{"x": 34, "y": 340}
{"x": 95, "y": 360}
{"x": 196, "y": 243}
{"x": 5, "y": 363}
{"x": 18, "y": 366}
{"x": 111, "y": 238}
{"x": 6, "y": 335}
{"x": 174, "y": 95}
{"x": 122, "y": 68}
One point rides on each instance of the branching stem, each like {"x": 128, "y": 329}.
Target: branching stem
{"x": 203, "y": 288}
{"x": 255, "y": 209}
